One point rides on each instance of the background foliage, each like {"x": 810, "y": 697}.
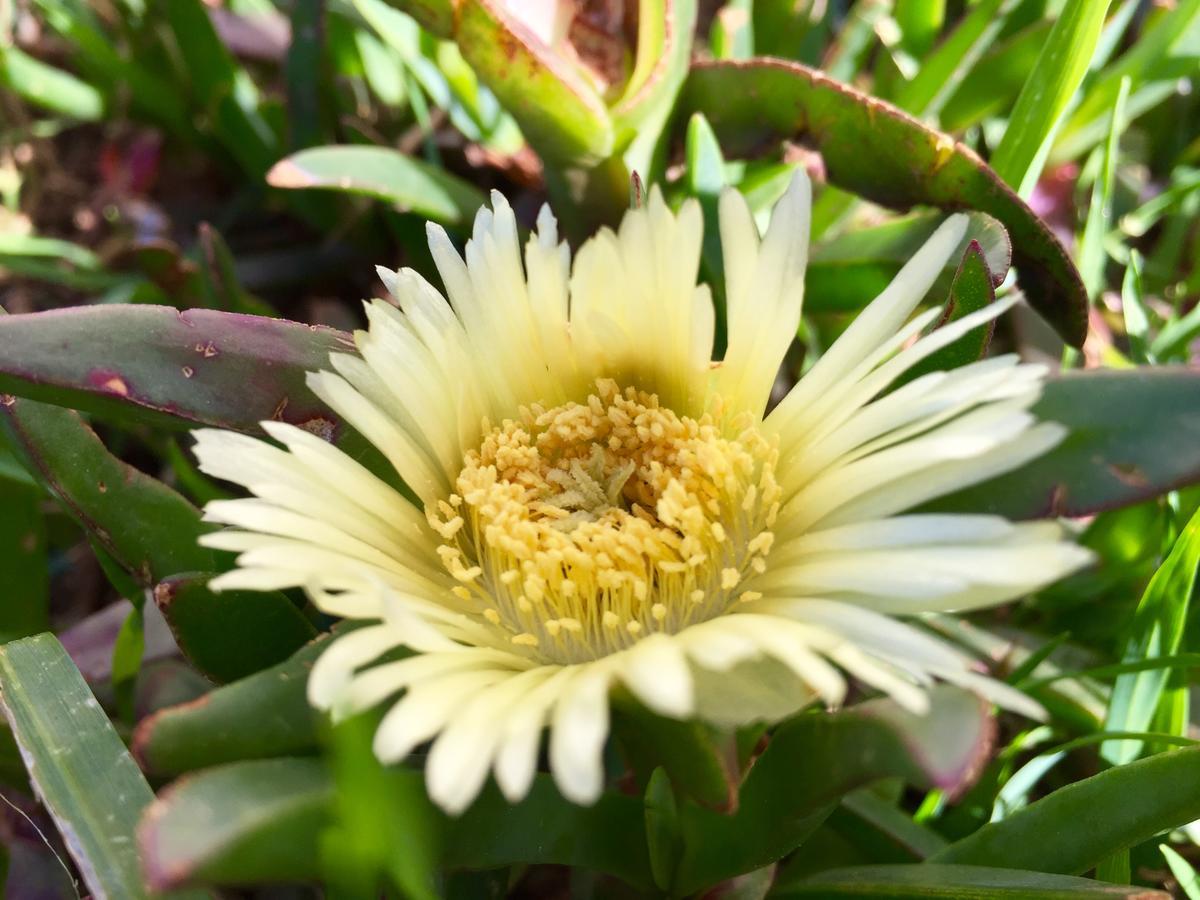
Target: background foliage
{"x": 258, "y": 158}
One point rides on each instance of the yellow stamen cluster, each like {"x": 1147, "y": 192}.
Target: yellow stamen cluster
{"x": 580, "y": 529}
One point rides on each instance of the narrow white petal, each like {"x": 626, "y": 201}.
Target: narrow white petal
{"x": 578, "y": 732}
{"x": 657, "y": 672}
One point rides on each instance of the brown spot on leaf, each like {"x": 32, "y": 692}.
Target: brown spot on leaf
{"x": 277, "y": 413}
{"x": 102, "y": 487}
{"x": 207, "y": 349}
{"x": 188, "y": 371}
{"x": 8, "y": 400}
{"x": 1130, "y": 474}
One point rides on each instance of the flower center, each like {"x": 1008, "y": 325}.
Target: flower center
{"x": 580, "y": 529}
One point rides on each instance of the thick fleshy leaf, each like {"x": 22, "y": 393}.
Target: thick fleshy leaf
{"x": 258, "y": 821}
{"x": 230, "y": 634}
{"x": 24, "y": 574}
{"x": 264, "y": 715}
{"x": 557, "y": 108}
{"x": 409, "y": 184}
{"x": 874, "y": 149}
{"x": 971, "y": 290}
{"x": 145, "y": 526}
{"x": 689, "y": 752}
{"x": 385, "y": 828}
{"x": 170, "y": 368}
{"x": 1133, "y": 434}
{"x": 814, "y": 760}
{"x": 1077, "y": 826}
{"x": 246, "y": 823}
{"x": 917, "y": 882}
{"x": 86, "y": 779}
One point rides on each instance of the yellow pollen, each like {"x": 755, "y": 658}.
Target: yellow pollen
{"x": 581, "y": 528}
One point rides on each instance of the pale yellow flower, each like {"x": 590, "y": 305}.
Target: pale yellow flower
{"x": 598, "y": 503}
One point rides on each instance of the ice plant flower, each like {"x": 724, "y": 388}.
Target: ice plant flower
{"x": 593, "y": 502}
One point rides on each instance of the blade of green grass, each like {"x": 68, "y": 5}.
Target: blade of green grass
{"x": 1149, "y": 52}
{"x": 1189, "y": 881}
{"x": 1092, "y": 253}
{"x": 48, "y": 87}
{"x": 1157, "y": 630}
{"x": 944, "y": 69}
{"x": 1048, "y": 92}
{"x": 86, "y": 779}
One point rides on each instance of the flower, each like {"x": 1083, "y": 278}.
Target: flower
{"x": 595, "y": 502}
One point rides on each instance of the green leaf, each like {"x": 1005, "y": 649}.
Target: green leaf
{"x": 1157, "y": 630}
{"x": 706, "y": 178}
{"x": 170, "y": 368}
{"x": 264, "y": 715}
{"x": 259, "y": 821}
{"x": 1044, "y": 99}
{"x": 24, "y": 573}
{"x": 87, "y": 781}
{"x": 218, "y": 277}
{"x": 384, "y": 826}
{"x": 557, "y": 108}
{"x": 1092, "y": 254}
{"x": 1189, "y": 881}
{"x": 149, "y": 529}
{"x": 302, "y": 71}
{"x": 1106, "y": 461}
{"x": 844, "y": 274}
{"x": 408, "y": 184}
{"x": 247, "y": 823}
{"x": 917, "y": 882}
{"x": 1077, "y": 826}
{"x": 662, "y": 829}
{"x": 1133, "y": 310}
{"x": 943, "y": 70}
{"x": 1155, "y": 48}
{"x": 224, "y": 91}
{"x": 812, "y": 761}
{"x": 883, "y": 154}
{"x": 690, "y": 752}
{"x": 48, "y": 87}
{"x": 230, "y": 634}
{"x": 970, "y": 292}
{"x": 435, "y": 15}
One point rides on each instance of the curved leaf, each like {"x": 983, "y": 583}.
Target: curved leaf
{"x": 887, "y": 156}
{"x": 1077, "y": 826}
{"x": 917, "y": 882}
{"x": 247, "y": 823}
{"x": 264, "y": 715}
{"x": 258, "y": 821}
{"x": 812, "y": 761}
{"x": 149, "y": 529}
{"x": 172, "y": 368}
{"x": 558, "y": 110}
{"x": 1132, "y": 434}
{"x": 230, "y": 634}
{"x": 407, "y": 183}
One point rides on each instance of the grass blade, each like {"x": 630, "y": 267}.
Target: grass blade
{"x": 1061, "y": 66}
{"x": 87, "y": 780}
{"x": 1077, "y": 826}
{"x": 1157, "y": 631}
